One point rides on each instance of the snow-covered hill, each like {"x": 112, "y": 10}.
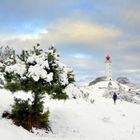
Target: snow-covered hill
{"x": 78, "y": 119}
{"x": 125, "y": 90}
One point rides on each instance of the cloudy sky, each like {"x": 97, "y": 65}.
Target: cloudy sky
{"x": 83, "y": 31}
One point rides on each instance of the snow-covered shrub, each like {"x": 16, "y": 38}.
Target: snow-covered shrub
{"x": 73, "y": 91}
{"x": 40, "y": 72}
{"x": 92, "y": 101}
{"x": 6, "y": 53}
{"x": 85, "y": 96}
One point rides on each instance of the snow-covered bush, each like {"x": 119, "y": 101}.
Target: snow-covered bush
{"x": 6, "y": 53}
{"x": 73, "y": 91}
{"x": 40, "y": 72}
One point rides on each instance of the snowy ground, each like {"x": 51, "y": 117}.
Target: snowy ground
{"x": 78, "y": 120}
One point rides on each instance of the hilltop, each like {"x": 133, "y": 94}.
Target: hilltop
{"x": 125, "y": 89}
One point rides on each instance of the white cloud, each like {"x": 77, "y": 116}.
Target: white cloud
{"x": 81, "y": 31}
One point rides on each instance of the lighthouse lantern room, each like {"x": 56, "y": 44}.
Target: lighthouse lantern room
{"x": 108, "y": 68}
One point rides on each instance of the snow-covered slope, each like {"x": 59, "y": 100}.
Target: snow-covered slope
{"x": 125, "y": 90}
{"x": 77, "y": 119}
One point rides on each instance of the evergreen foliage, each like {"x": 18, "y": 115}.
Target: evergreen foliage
{"x": 24, "y": 114}
{"x": 39, "y": 72}
{"x": 6, "y": 53}
{"x": 58, "y": 84}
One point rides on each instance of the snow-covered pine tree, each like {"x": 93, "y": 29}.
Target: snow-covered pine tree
{"x": 40, "y": 72}
{"x": 62, "y": 75}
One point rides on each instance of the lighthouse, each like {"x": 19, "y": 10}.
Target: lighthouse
{"x": 108, "y": 68}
